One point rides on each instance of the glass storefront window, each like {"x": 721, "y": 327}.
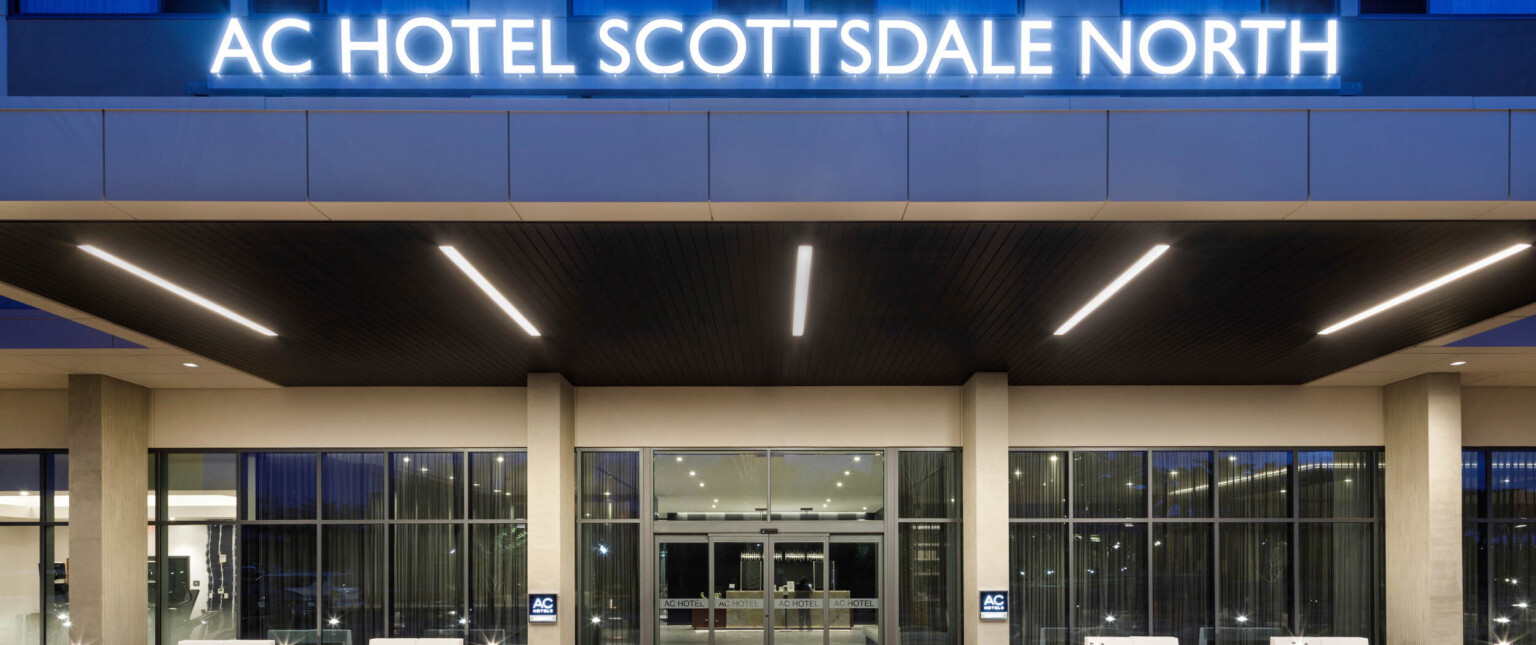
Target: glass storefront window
{"x": 610, "y": 485}
{"x": 426, "y": 597}
{"x": 1336, "y": 483}
{"x": 608, "y": 584}
{"x": 1181, "y": 484}
{"x": 315, "y": 556}
{"x": 498, "y": 485}
{"x": 711, "y": 485}
{"x": 1220, "y": 559}
{"x": 827, "y": 485}
{"x": 280, "y": 486}
{"x": 1254, "y": 484}
{"x": 201, "y": 486}
{"x": 21, "y": 479}
{"x": 928, "y": 585}
{"x": 1039, "y": 591}
{"x": 929, "y": 481}
{"x": 426, "y": 485}
{"x": 1182, "y": 591}
{"x": 19, "y": 584}
{"x": 1512, "y": 491}
{"x": 1110, "y": 579}
{"x": 355, "y": 486}
{"x": 353, "y": 581}
{"x": 1110, "y": 484}
{"x": 279, "y": 585}
{"x": 1038, "y": 484}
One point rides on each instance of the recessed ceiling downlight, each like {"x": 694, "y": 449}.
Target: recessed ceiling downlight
{"x": 1114, "y": 287}
{"x": 175, "y": 288}
{"x": 489, "y": 289}
{"x": 1427, "y": 287}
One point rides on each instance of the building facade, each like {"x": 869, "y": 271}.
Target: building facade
{"x": 792, "y": 322}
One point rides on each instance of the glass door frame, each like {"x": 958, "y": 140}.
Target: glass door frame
{"x": 770, "y": 542}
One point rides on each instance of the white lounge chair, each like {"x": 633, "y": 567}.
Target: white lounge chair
{"x": 1130, "y": 640}
{"x": 1154, "y": 640}
{"x": 1106, "y": 640}
{"x": 416, "y": 641}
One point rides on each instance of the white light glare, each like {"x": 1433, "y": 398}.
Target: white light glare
{"x": 488, "y": 288}
{"x": 1117, "y": 285}
{"x": 1427, "y": 287}
{"x": 802, "y": 288}
{"x": 176, "y": 289}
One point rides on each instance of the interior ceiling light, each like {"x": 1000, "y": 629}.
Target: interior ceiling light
{"x": 1117, "y": 285}
{"x": 1458, "y": 363}
{"x": 802, "y": 288}
{"x": 175, "y": 288}
{"x": 1427, "y": 287}
{"x": 488, "y": 288}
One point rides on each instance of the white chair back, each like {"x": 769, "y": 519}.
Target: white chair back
{"x": 439, "y": 641}
{"x": 1318, "y": 640}
{"x": 255, "y": 642}
{"x": 1107, "y": 640}
{"x": 1154, "y": 640}
{"x": 392, "y": 641}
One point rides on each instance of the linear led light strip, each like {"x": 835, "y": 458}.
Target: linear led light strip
{"x": 488, "y": 288}
{"x": 802, "y": 288}
{"x": 175, "y": 288}
{"x": 1427, "y": 287}
{"x": 1117, "y": 285}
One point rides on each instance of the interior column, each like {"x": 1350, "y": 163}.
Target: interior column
{"x": 984, "y": 485}
{"x": 552, "y": 502}
{"x": 108, "y": 481}
{"x": 1423, "y": 510}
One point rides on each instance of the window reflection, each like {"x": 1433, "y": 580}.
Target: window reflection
{"x": 1110, "y": 578}
{"x": 1038, "y": 484}
{"x": 1110, "y": 484}
{"x": 1181, "y": 484}
{"x": 610, "y": 485}
{"x": 1254, "y": 484}
{"x": 21, "y": 478}
{"x": 827, "y": 485}
{"x": 201, "y": 486}
{"x": 711, "y": 485}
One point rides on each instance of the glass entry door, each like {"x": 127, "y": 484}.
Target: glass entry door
{"x": 768, "y": 590}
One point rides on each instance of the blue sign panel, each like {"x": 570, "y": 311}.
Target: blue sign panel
{"x": 543, "y": 607}
{"x": 994, "y": 605}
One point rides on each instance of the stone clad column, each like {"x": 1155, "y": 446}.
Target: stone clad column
{"x": 552, "y": 502}
{"x": 108, "y": 482}
{"x": 1423, "y": 510}
{"x": 984, "y": 485}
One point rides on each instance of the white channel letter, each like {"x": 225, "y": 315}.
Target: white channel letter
{"x": 1121, "y": 60}
{"x": 235, "y": 45}
{"x": 1028, "y": 47}
{"x": 986, "y": 52}
{"x": 1223, "y": 46}
{"x": 645, "y": 35}
{"x": 608, "y": 41}
{"x": 1261, "y": 59}
{"x": 886, "y": 26}
{"x": 1145, "y": 47}
{"x": 379, "y": 47}
{"x": 814, "y": 25}
{"x": 405, "y": 56}
{"x": 510, "y": 45}
{"x": 695, "y": 39}
{"x": 1329, "y": 47}
{"x": 952, "y": 46}
{"x": 270, "y": 54}
{"x": 473, "y": 25}
{"x": 548, "y": 58}
{"x": 987, "y": 67}
{"x": 768, "y": 25}
{"x": 858, "y": 48}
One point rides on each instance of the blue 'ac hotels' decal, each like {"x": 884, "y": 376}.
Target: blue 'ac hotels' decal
{"x": 543, "y": 607}
{"x": 994, "y": 605}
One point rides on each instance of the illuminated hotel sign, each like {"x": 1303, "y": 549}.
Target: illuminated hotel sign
{"x": 807, "y": 53}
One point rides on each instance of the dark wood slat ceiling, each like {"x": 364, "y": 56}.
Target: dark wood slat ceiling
{"x": 709, "y": 304}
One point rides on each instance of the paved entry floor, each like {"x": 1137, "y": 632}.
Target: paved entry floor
{"x": 680, "y": 635}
